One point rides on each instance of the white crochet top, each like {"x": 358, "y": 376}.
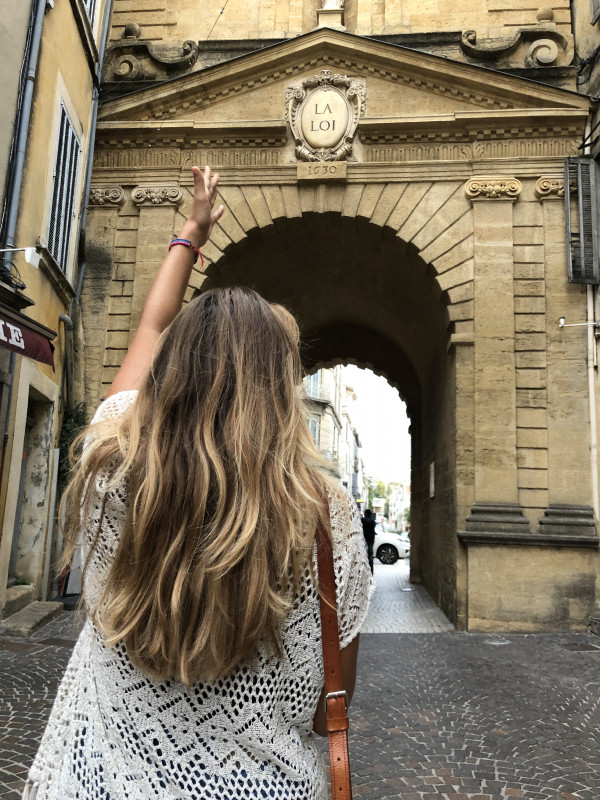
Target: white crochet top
{"x": 117, "y": 734}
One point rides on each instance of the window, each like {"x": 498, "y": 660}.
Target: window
{"x": 312, "y": 384}
{"x": 595, "y": 10}
{"x": 90, "y": 7}
{"x": 314, "y": 427}
{"x": 581, "y": 217}
{"x": 62, "y": 209}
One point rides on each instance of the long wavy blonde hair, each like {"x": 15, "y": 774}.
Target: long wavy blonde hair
{"x": 224, "y": 491}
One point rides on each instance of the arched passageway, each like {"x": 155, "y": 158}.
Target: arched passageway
{"x": 362, "y": 294}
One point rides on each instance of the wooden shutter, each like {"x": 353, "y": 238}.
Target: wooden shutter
{"x": 63, "y": 191}
{"x": 581, "y": 216}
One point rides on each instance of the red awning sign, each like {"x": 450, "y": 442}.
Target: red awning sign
{"x": 18, "y": 337}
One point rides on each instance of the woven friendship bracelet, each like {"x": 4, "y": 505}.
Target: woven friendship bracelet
{"x": 187, "y": 243}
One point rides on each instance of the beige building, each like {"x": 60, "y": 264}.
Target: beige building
{"x": 324, "y": 389}
{"x": 394, "y": 173}
{"x": 50, "y": 66}
{"x": 330, "y": 423}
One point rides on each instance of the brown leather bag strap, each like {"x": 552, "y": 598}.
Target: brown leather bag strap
{"x": 336, "y": 699}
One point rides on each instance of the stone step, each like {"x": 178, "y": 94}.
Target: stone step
{"x": 17, "y": 597}
{"x": 30, "y": 618}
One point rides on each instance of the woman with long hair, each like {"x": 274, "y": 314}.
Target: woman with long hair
{"x": 196, "y": 498}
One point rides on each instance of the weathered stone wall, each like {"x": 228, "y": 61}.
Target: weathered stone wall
{"x": 433, "y": 253}
{"x": 288, "y": 18}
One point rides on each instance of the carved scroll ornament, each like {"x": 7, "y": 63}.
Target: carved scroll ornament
{"x": 540, "y": 45}
{"x": 103, "y": 195}
{"x": 135, "y": 59}
{"x": 493, "y": 188}
{"x": 323, "y": 113}
{"x": 157, "y": 195}
{"x": 550, "y": 188}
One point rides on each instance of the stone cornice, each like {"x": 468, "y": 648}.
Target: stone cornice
{"x": 493, "y": 187}
{"x": 466, "y": 126}
{"x": 360, "y": 172}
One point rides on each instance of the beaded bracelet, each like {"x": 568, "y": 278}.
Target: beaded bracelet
{"x": 187, "y": 243}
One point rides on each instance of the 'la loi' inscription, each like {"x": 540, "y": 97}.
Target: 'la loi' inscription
{"x": 324, "y": 118}
{"x": 323, "y": 113}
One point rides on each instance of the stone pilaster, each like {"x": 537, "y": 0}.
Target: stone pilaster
{"x": 157, "y": 221}
{"x": 494, "y": 357}
{"x": 568, "y": 414}
{"x": 105, "y": 204}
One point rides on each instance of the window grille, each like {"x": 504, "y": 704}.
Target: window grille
{"x": 581, "y": 217}
{"x": 63, "y": 191}
{"x": 90, "y": 7}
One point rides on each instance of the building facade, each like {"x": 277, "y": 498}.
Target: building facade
{"x": 330, "y": 423}
{"x": 50, "y": 64}
{"x": 395, "y": 174}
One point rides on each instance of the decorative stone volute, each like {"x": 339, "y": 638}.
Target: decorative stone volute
{"x": 540, "y": 45}
{"x": 103, "y": 195}
{"x": 550, "y": 188}
{"x": 323, "y": 113}
{"x": 157, "y": 195}
{"x": 493, "y": 187}
{"x": 135, "y": 59}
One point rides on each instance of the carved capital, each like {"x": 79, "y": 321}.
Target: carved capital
{"x": 157, "y": 195}
{"x": 548, "y": 188}
{"x": 106, "y": 195}
{"x": 493, "y": 188}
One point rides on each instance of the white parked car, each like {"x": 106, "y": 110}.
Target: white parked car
{"x": 390, "y": 546}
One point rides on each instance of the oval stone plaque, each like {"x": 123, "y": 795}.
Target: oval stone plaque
{"x": 324, "y": 118}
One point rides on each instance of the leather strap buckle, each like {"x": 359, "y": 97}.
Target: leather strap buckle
{"x": 333, "y": 695}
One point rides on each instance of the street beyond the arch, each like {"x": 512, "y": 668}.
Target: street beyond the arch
{"x": 437, "y": 715}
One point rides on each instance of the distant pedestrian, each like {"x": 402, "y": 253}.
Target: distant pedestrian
{"x": 368, "y": 523}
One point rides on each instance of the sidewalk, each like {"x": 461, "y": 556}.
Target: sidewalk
{"x": 436, "y": 715}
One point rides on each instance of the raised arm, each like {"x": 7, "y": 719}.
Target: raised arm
{"x": 166, "y": 294}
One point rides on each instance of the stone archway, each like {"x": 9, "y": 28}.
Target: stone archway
{"x": 435, "y": 253}
{"x": 361, "y": 293}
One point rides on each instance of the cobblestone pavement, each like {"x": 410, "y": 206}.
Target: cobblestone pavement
{"x": 436, "y": 716}
{"x": 401, "y": 607}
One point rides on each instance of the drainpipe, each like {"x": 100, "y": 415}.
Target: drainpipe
{"x": 16, "y": 169}
{"x": 90, "y": 156}
{"x": 23, "y": 130}
{"x": 591, "y": 368}
{"x": 69, "y": 359}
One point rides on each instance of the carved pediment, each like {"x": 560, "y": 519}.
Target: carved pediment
{"x": 391, "y": 104}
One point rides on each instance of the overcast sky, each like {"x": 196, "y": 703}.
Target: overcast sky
{"x": 379, "y": 416}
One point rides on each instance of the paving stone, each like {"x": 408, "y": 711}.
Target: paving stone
{"x": 435, "y": 715}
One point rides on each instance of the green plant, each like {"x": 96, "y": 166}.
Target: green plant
{"x": 74, "y": 420}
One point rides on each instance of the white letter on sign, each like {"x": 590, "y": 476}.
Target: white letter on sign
{"x": 16, "y": 337}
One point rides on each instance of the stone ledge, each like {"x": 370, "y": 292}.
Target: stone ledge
{"x": 17, "y": 597}
{"x": 29, "y": 619}
{"x": 505, "y": 524}
{"x": 524, "y": 539}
